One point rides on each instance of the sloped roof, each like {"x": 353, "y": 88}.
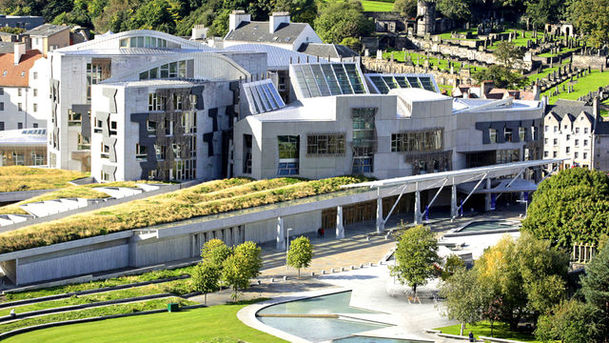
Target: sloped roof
{"x": 12, "y": 75}
{"x": 327, "y": 50}
{"x": 277, "y": 57}
{"x": 569, "y": 108}
{"x": 47, "y": 30}
{"x": 258, "y": 31}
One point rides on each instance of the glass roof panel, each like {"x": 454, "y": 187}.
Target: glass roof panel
{"x": 414, "y": 81}
{"x": 401, "y": 81}
{"x": 343, "y": 80}
{"x": 310, "y": 80}
{"x": 331, "y": 79}
{"x": 300, "y": 79}
{"x": 354, "y": 78}
{"x": 427, "y": 84}
{"x": 320, "y": 79}
{"x": 379, "y": 84}
{"x": 390, "y": 82}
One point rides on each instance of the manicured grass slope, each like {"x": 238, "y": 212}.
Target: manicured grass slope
{"x": 198, "y": 325}
{"x": 19, "y": 178}
{"x": 582, "y": 86}
{"x": 500, "y": 330}
{"x": 201, "y": 200}
{"x": 377, "y": 6}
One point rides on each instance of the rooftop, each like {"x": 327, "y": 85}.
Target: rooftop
{"x": 47, "y": 30}
{"x": 155, "y": 83}
{"x": 12, "y": 75}
{"x": 277, "y": 58}
{"x": 26, "y": 137}
{"x": 327, "y": 50}
{"x": 258, "y": 31}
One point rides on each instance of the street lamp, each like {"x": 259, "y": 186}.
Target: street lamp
{"x": 526, "y": 205}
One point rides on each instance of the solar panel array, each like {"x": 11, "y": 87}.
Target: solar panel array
{"x": 262, "y": 96}
{"x": 328, "y": 79}
{"x": 385, "y": 82}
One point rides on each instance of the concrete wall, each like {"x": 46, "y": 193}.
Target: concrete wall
{"x": 267, "y": 230}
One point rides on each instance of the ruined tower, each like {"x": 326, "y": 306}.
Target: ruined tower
{"x": 426, "y": 17}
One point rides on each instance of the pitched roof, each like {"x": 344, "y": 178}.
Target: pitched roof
{"x": 258, "y": 31}
{"x": 12, "y": 75}
{"x": 327, "y": 50}
{"x": 570, "y": 108}
{"x": 47, "y": 30}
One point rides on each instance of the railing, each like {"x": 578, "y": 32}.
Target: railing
{"x": 583, "y": 253}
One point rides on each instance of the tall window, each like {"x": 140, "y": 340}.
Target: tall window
{"x": 364, "y": 140}
{"x": 37, "y": 159}
{"x": 492, "y": 135}
{"x": 522, "y": 133}
{"x": 247, "y": 154}
{"x": 141, "y": 152}
{"x": 74, "y": 118}
{"x": 288, "y": 147}
{"x": 508, "y": 135}
{"x": 97, "y": 71}
{"x": 19, "y": 107}
{"x": 326, "y": 144}
{"x": 428, "y": 140}
{"x": 155, "y": 102}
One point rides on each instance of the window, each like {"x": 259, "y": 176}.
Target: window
{"x": 84, "y": 143}
{"x": 522, "y": 133}
{"x": 577, "y": 130}
{"x": 1, "y": 126}
{"x": 364, "y": 139}
{"x": 177, "y": 102}
{"x": 18, "y": 91}
{"x": 508, "y": 135}
{"x": 565, "y": 126}
{"x": 555, "y": 128}
{"x": 97, "y": 71}
{"x": 155, "y": 102}
{"x": 568, "y": 150}
{"x": 35, "y": 91}
{"x": 18, "y": 159}
{"x": 172, "y": 70}
{"x": 577, "y": 142}
{"x": 1, "y": 91}
{"x": 545, "y": 128}
{"x": 141, "y": 152}
{"x": 326, "y": 144}
{"x": 585, "y": 142}
{"x": 585, "y": 130}
{"x": 151, "y": 127}
{"x": 74, "y": 118}
{"x": 585, "y": 155}
{"x": 35, "y": 75}
{"x": 247, "y": 154}
{"x": 160, "y": 151}
{"x": 554, "y": 154}
{"x": 545, "y": 141}
{"x": 492, "y": 136}
{"x": 37, "y": 159}
{"x": 555, "y": 141}
{"x": 35, "y": 125}
{"x": 35, "y": 107}
{"x": 20, "y": 125}
{"x": 576, "y": 154}
{"x": 289, "y": 150}
{"x": 568, "y": 137}
{"x": 533, "y": 133}
{"x": 1, "y": 106}
{"x": 19, "y": 107}
{"x": 98, "y": 126}
{"x": 113, "y": 128}
{"x": 545, "y": 154}
{"x": 427, "y": 140}
{"x": 168, "y": 127}
{"x": 105, "y": 150}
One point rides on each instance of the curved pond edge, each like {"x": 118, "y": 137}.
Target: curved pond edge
{"x": 458, "y": 232}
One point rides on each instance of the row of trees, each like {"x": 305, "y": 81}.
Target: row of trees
{"x": 235, "y": 267}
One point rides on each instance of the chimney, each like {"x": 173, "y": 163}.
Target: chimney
{"x": 236, "y": 18}
{"x": 486, "y": 86}
{"x": 536, "y": 92}
{"x": 276, "y": 19}
{"x": 19, "y": 50}
{"x": 595, "y": 107}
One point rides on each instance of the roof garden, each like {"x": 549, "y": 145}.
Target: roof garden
{"x": 20, "y": 178}
{"x": 208, "y": 198}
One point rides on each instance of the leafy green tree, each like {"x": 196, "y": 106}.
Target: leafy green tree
{"x": 590, "y": 19}
{"x": 340, "y": 19}
{"x": 508, "y": 53}
{"x": 571, "y": 321}
{"x": 352, "y": 43}
{"x": 502, "y": 76}
{"x": 541, "y": 12}
{"x": 215, "y": 252}
{"x": 205, "y": 278}
{"x": 251, "y": 258}
{"x": 457, "y": 10}
{"x": 570, "y": 207}
{"x": 451, "y": 266}
{"x": 301, "y": 11}
{"x": 235, "y": 274}
{"x": 300, "y": 253}
{"x": 465, "y": 298}
{"x": 416, "y": 255}
{"x": 407, "y": 8}
{"x": 595, "y": 288}
{"x": 219, "y": 27}
{"x": 158, "y": 15}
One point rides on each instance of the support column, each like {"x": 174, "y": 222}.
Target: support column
{"x": 417, "y": 207}
{"x": 380, "y": 223}
{"x": 487, "y": 197}
{"x": 280, "y": 234}
{"x": 453, "y": 201}
{"x": 340, "y": 229}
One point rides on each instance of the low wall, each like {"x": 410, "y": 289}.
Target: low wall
{"x": 585, "y": 61}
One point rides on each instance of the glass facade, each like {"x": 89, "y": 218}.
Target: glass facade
{"x": 173, "y": 70}
{"x": 326, "y": 144}
{"x": 262, "y": 96}
{"x": 420, "y": 141}
{"x": 385, "y": 82}
{"x": 289, "y": 151}
{"x": 328, "y": 79}
{"x": 364, "y": 140}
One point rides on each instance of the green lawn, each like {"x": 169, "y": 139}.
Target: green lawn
{"x": 582, "y": 86}
{"x": 414, "y": 57}
{"x": 563, "y": 51}
{"x": 19, "y": 178}
{"x": 377, "y": 6}
{"x": 500, "y": 330}
{"x": 197, "y": 325}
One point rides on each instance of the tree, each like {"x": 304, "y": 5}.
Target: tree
{"x": 569, "y": 207}
{"x": 508, "y": 53}
{"x": 415, "y": 256}
{"x": 590, "y": 19}
{"x": 595, "y": 288}
{"x": 340, "y": 19}
{"x": 571, "y": 321}
{"x": 457, "y": 10}
{"x": 502, "y": 76}
{"x": 407, "y": 8}
{"x": 465, "y": 298}
{"x": 251, "y": 258}
{"x": 352, "y": 43}
{"x": 451, "y": 266}
{"x": 300, "y": 253}
{"x": 235, "y": 274}
{"x": 541, "y": 12}
{"x": 215, "y": 252}
{"x": 301, "y": 11}
{"x": 206, "y": 278}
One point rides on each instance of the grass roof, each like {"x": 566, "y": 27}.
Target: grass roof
{"x": 205, "y": 199}
{"x": 20, "y": 178}
{"x": 82, "y": 191}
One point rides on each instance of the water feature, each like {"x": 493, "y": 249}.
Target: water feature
{"x": 489, "y": 225}
{"x": 329, "y": 325}
{"x": 365, "y": 339}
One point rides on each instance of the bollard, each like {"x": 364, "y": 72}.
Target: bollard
{"x": 272, "y": 280}
{"x": 352, "y": 267}
{"x": 285, "y": 278}
{"x": 323, "y": 272}
{"x": 312, "y": 273}
{"x": 361, "y": 265}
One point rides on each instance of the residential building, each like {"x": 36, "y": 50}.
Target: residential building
{"x": 578, "y": 133}
{"x": 49, "y": 37}
{"x": 278, "y": 31}
{"x": 23, "y": 89}
{"x": 27, "y": 22}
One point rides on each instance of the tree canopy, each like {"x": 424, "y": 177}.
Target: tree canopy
{"x": 300, "y": 253}
{"x": 570, "y": 207}
{"x": 595, "y": 288}
{"x": 590, "y": 18}
{"x": 340, "y": 19}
